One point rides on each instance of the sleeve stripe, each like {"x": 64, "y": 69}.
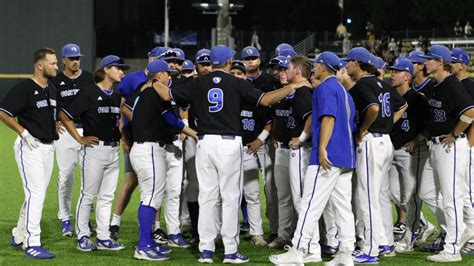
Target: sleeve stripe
{"x": 171, "y": 95}
{"x": 7, "y": 112}
{"x": 460, "y": 113}
{"x": 269, "y": 121}
{"x": 68, "y": 114}
{"x": 368, "y": 107}
{"x": 166, "y": 111}
{"x": 259, "y": 99}
{"x": 128, "y": 106}
{"x": 403, "y": 106}
{"x": 308, "y": 113}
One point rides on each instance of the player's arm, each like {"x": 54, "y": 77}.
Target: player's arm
{"x": 465, "y": 119}
{"x": 398, "y": 114}
{"x": 184, "y": 113}
{"x": 262, "y": 137}
{"x": 173, "y": 121}
{"x": 327, "y": 127}
{"x": 11, "y": 122}
{"x": 71, "y": 128}
{"x": 272, "y": 97}
{"x": 126, "y": 111}
{"x": 370, "y": 116}
{"x": 305, "y": 134}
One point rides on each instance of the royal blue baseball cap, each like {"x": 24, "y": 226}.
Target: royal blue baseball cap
{"x": 188, "y": 65}
{"x": 438, "y": 52}
{"x": 71, "y": 50}
{"x": 203, "y": 56}
{"x": 460, "y": 56}
{"x": 379, "y": 63}
{"x": 329, "y": 59}
{"x": 158, "y": 65}
{"x": 283, "y": 46}
{"x": 415, "y": 57}
{"x": 162, "y": 52}
{"x": 359, "y": 54}
{"x": 220, "y": 54}
{"x": 402, "y": 64}
{"x": 249, "y": 51}
{"x": 112, "y": 60}
{"x": 281, "y": 61}
{"x": 287, "y": 52}
{"x": 177, "y": 54}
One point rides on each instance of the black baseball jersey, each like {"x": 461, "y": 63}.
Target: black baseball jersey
{"x": 99, "y": 111}
{"x": 368, "y": 91}
{"x": 148, "y": 124}
{"x": 67, "y": 88}
{"x": 216, "y": 99}
{"x": 35, "y": 107}
{"x": 469, "y": 86}
{"x": 263, "y": 82}
{"x": 291, "y": 113}
{"x": 254, "y": 119}
{"x": 426, "y": 87}
{"x": 449, "y": 100}
{"x": 413, "y": 120}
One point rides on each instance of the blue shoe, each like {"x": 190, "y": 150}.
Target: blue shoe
{"x": 206, "y": 256}
{"x": 38, "y": 252}
{"x": 149, "y": 253}
{"x": 387, "y": 251}
{"x": 235, "y": 258}
{"x": 328, "y": 251}
{"x": 15, "y": 244}
{"x": 163, "y": 249}
{"x": 365, "y": 259}
{"x": 437, "y": 245}
{"x": 244, "y": 228}
{"x": 66, "y": 228}
{"x": 177, "y": 241}
{"x": 109, "y": 244}
{"x": 85, "y": 244}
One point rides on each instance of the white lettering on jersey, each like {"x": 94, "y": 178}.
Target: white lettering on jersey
{"x": 435, "y": 103}
{"x": 42, "y": 103}
{"x": 67, "y": 93}
{"x": 246, "y": 113}
{"x": 52, "y": 102}
{"x": 103, "y": 110}
{"x": 279, "y": 112}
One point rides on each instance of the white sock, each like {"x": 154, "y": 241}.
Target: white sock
{"x": 115, "y": 219}
{"x": 157, "y": 225}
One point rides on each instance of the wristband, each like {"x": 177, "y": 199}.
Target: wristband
{"x": 186, "y": 122}
{"x": 264, "y": 135}
{"x": 303, "y": 137}
{"x": 466, "y": 119}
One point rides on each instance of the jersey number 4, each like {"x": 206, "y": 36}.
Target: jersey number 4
{"x": 215, "y": 96}
{"x": 384, "y": 100}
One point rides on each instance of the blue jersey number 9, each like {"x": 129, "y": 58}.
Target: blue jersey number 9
{"x": 215, "y": 96}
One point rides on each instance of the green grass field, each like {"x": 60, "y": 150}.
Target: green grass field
{"x": 11, "y": 198}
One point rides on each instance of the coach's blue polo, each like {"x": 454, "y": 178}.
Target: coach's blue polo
{"x": 331, "y": 99}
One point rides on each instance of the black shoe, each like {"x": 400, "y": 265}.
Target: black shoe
{"x": 160, "y": 237}
{"x": 193, "y": 240}
{"x": 114, "y": 230}
{"x": 399, "y": 228}
{"x": 271, "y": 237}
{"x": 438, "y": 244}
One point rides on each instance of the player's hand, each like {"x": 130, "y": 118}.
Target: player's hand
{"x": 253, "y": 146}
{"x": 448, "y": 140}
{"x": 359, "y": 136}
{"x": 182, "y": 136}
{"x": 324, "y": 160}
{"x": 294, "y": 143}
{"x": 89, "y": 141}
{"x": 126, "y": 145}
{"x": 60, "y": 127}
{"x": 30, "y": 141}
{"x": 409, "y": 146}
{"x": 302, "y": 83}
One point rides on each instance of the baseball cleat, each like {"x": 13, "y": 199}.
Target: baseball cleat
{"x": 258, "y": 241}
{"x": 271, "y": 237}
{"x": 235, "y": 258}
{"x": 424, "y": 233}
{"x": 399, "y": 228}
{"x": 177, "y": 240}
{"x": 341, "y": 259}
{"x": 66, "y": 228}
{"x": 365, "y": 259}
{"x": 278, "y": 243}
{"x": 206, "y": 256}
{"x": 468, "y": 249}
{"x": 149, "y": 253}
{"x": 328, "y": 251}
{"x": 109, "y": 244}
{"x": 15, "y": 244}
{"x": 85, "y": 244}
{"x": 357, "y": 251}
{"x": 38, "y": 252}
{"x": 387, "y": 251}
{"x": 443, "y": 256}
{"x": 467, "y": 235}
{"x": 193, "y": 240}
{"x": 312, "y": 258}
{"x": 163, "y": 249}
{"x": 159, "y": 236}
{"x": 114, "y": 231}
{"x": 437, "y": 245}
{"x": 403, "y": 245}
{"x": 292, "y": 256}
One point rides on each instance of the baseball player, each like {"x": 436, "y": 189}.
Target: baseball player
{"x": 33, "y": 103}
{"x": 375, "y": 118}
{"x": 460, "y": 64}
{"x": 216, "y": 99}
{"x": 329, "y": 174}
{"x": 98, "y": 107}
{"x": 68, "y": 83}
{"x": 189, "y": 71}
{"x": 451, "y": 113}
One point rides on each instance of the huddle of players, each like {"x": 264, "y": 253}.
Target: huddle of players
{"x": 429, "y": 152}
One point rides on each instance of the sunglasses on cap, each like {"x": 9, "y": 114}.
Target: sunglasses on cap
{"x": 204, "y": 57}
{"x": 204, "y": 64}
{"x": 238, "y": 63}
{"x": 75, "y": 58}
{"x": 174, "y": 61}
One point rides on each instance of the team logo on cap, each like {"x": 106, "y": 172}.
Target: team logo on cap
{"x": 216, "y": 80}
{"x": 74, "y": 49}
{"x": 177, "y": 53}
{"x": 249, "y": 51}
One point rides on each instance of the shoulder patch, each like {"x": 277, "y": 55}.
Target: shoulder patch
{"x": 216, "y": 80}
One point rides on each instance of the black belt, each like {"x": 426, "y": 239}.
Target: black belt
{"x": 110, "y": 143}
{"x": 283, "y": 145}
{"x": 46, "y": 141}
{"x": 439, "y": 139}
{"x": 157, "y": 142}
{"x": 200, "y": 137}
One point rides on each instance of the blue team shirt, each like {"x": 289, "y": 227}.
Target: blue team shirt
{"x": 331, "y": 99}
{"x": 129, "y": 84}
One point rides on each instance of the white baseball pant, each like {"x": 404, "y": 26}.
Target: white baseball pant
{"x": 252, "y": 193}
{"x": 321, "y": 187}
{"x": 220, "y": 174}
{"x": 35, "y": 167}
{"x": 329, "y": 215}
{"x": 67, "y": 156}
{"x": 299, "y": 160}
{"x": 282, "y": 183}
{"x": 99, "y": 174}
{"x": 469, "y": 199}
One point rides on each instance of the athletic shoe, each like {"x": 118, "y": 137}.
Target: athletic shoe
{"x": 15, "y": 244}
{"x": 193, "y": 240}
{"x": 160, "y": 237}
{"x": 206, "y": 256}
{"x": 467, "y": 235}
{"x": 85, "y": 244}
{"x": 403, "y": 245}
{"x": 258, "y": 241}
{"x": 278, "y": 243}
{"x": 114, "y": 231}
{"x": 244, "y": 228}
{"x": 328, "y": 251}
{"x": 177, "y": 240}
{"x": 162, "y": 249}
{"x": 292, "y": 256}
{"x": 312, "y": 258}
{"x": 341, "y": 259}
{"x": 149, "y": 253}
{"x": 399, "y": 228}
{"x": 66, "y": 228}
{"x": 271, "y": 237}
{"x": 468, "y": 249}
{"x": 424, "y": 232}
{"x": 437, "y": 245}
{"x": 387, "y": 251}
{"x": 109, "y": 244}
{"x": 38, "y": 252}
{"x": 357, "y": 251}
{"x": 443, "y": 256}
{"x": 366, "y": 259}
{"x": 235, "y": 258}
